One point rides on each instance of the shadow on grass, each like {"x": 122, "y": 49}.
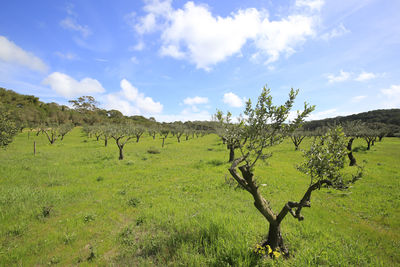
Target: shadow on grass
{"x": 360, "y": 149}
{"x": 209, "y": 243}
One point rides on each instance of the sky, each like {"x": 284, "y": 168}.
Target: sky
{"x": 183, "y": 60}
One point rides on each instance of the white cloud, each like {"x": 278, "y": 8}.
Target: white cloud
{"x": 147, "y": 24}
{"x": 138, "y": 47}
{"x": 357, "y": 99}
{"x": 393, "y": 96}
{"x": 11, "y": 53}
{"x": 281, "y": 37}
{"x": 195, "y": 100}
{"x": 172, "y": 51}
{"x": 195, "y": 34}
{"x": 68, "y": 56}
{"x": 343, "y": 76}
{"x": 185, "y": 115}
{"x": 233, "y": 100}
{"x": 330, "y": 113}
{"x": 69, "y": 87}
{"x": 336, "y": 32}
{"x": 71, "y": 24}
{"x": 365, "y": 76}
{"x": 131, "y": 102}
{"x": 346, "y": 76}
{"x": 311, "y": 4}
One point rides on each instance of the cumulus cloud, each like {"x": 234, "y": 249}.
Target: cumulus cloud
{"x": 346, "y": 76}
{"x": 195, "y": 100}
{"x": 311, "y": 4}
{"x": 67, "y": 56}
{"x": 70, "y": 23}
{"x": 132, "y": 102}
{"x": 330, "y": 113}
{"x": 138, "y": 47}
{"x": 393, "y": 96}
{"x": 185, "y": 115}
{"x": 336, "y": 32}
{"x": 195, "y": 34}
{"x": 343, "y": 76}
{"x": 69, "y": 87}
{"x": 11, "y": 53}
{"x": 233, "y": 100}
{"x": 365, "y": 76}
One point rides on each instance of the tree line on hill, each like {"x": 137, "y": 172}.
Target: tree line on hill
{"x": 55, "y": 121}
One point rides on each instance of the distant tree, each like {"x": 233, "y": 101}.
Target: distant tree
{"x": 52, "y": 132}
{"x": 121, "y": 133}
{"x": 97, "y": 130}
{"x": 115, "y": 116}
{"x": 297, "y": 137}
{"x": 84, "y": 103}
{"x": 8, "y": 128}
{"x": 64, "y": 129}
{"x": 370, "y": 134}
{"x": 226, "y": 131}
{"x": 105, "y": 133}
{"x": 138, "y": 132}
{"x": 164, "y": 134}
{"x": 187, "y": 133}
{"x": 153, "y": 130}
{"x": 352, "y": 130}
{"x": 179, "y": 130}
{"x": 86, "y": 106}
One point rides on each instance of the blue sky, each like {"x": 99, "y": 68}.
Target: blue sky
{"x": 181, "y": 60}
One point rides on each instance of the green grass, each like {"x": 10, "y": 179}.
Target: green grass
{"x": 75, "y": 203}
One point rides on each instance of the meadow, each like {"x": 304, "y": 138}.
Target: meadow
{"x": 75, "y": 203}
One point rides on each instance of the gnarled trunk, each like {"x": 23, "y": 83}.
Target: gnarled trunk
{"x": 275, "y": 240}
{"x": 231, "y": 153}
{"x": 352, "y": 159}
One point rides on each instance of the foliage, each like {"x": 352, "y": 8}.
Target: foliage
{"x": 325, "y": 159}
{"x": 7, "y": 128}
{"x": 265, "y": 126}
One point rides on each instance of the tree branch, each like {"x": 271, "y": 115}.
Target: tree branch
{"x": 304, "y": 202}
{"x": 235, "y": 175}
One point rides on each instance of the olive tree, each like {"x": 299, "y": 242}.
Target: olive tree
{"x": 352, "y": 130}
{"x": 138, "y": 132}
{"x": 64, "y": 129}
{"x": 370, "y": 134}
{"x": 227, "y": 133}
{"x": 262, "y": 127}
{"x": 121, "y": 133}
{"x": 164, "y": 134}
{"x": 297, "y": 137}
{"x": 266, "y": 125}
{"x": 55, "y": 131}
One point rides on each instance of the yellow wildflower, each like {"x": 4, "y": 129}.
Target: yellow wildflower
{"x": 276, "y": 254}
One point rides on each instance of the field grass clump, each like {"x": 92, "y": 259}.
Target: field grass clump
{"x": 153, "y": 150}
{"x": 176, "y": 208}
{"x": 133, "y": 202}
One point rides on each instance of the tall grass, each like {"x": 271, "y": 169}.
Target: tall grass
{"x": 74, "y": 202}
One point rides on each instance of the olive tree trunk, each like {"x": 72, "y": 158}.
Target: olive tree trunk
{"x": 352, "y": 159}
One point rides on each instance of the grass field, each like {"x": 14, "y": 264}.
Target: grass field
{"x": 75, "y": 203}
